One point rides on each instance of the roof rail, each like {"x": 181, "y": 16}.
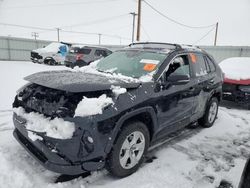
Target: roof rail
{"x": 156, "y": 45}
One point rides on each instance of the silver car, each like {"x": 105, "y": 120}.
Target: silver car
{"x": 82, "y": 56}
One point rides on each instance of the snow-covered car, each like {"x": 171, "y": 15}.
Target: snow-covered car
{"x": 84, "y": 55}
{"x": 52, "y": 54}
{"x": 236, "y": 86}
{"x": 109, "y": 113}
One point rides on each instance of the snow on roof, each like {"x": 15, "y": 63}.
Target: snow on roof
{"x": 236, "y": 68}
{"x": 54, "y": 46}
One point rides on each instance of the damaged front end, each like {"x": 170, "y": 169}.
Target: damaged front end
{"x": 83, "y": 151}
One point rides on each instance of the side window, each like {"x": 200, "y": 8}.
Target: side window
{"x": 108, "y": 52}
{"x": 179, "y": 66}
{"x": 85, "y": 51}
{"x": 100, "y": 53}
{"x": 199, "y": 64}
{"x": 210, "y": 64}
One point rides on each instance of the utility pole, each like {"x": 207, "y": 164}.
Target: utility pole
{"x": 100, "y": 36}
{"x": 35, "y": 35}
{"x": 58, "y": 34}
{"x": 133, "y": 27}
{"x": 138, "y": 21}
{"x": 216, "y": 33}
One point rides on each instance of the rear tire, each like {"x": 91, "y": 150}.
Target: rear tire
{"x": 210, "y": 113}
{"x": 129, "y": 150}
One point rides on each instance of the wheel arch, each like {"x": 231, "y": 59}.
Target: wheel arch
{"x": 145, "y": 115}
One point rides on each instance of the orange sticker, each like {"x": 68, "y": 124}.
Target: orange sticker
{"x": 193, "y": 58}
{"x": 149, "y": 67}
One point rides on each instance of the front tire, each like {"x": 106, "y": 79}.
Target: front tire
{"x": 210, "y": 113}
{"x": 129, "y": 149}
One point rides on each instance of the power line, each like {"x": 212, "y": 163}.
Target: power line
{"x": 90, "y": 33}
{"x": 62, "y": 30}
{"x": 204, "y": 36}
{"x": 61, "y": 4}
{"x": 176, "y": 22}
{"x": 95, "y": 21}
{"x": 146, "y": 33}
{"x": 27, "y": 27}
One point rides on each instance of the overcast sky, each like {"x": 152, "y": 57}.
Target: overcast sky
{"x": 111, "y": 17}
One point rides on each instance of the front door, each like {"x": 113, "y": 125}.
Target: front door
{"x": 175, "y": 103}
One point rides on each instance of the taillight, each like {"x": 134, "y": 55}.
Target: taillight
{"x": 79, "y": 56}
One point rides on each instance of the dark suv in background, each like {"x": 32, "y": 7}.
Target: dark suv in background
{"x": 82, "y": 56}
{"x": 163, "y": 88}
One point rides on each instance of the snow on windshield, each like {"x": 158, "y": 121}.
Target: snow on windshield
{"x": 56, "y": 128}
{"x": 92, "y": 70}
{"x": 236, "y": 68}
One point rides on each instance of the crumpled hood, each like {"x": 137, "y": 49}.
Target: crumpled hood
{"x": 78, "y": 81}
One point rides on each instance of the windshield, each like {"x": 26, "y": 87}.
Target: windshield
{"x": 133, "y": 63}
{"x": 53, "y": 47}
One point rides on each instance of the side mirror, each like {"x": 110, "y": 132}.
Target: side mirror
{"x": 178, "y": 79}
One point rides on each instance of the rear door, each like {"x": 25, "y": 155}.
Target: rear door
{"x": 204, "y": 82}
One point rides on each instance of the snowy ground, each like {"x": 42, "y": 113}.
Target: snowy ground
{"x": 193, "y": 159}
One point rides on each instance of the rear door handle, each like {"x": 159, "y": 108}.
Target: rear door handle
{"x": 191, "y": 89}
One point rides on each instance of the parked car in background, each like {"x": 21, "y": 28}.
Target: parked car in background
{"x": 236, "y": 86}
{"x": 82, "y": 56}
{"x": 52, "y": 54}
{"x": 80, "y": 122}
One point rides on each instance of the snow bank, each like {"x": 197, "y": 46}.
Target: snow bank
{"x": 92, "y": 106}
{"x": 56, "y": 128}
{"x": 236, "y": 68}
{"x": 117, "y": 90}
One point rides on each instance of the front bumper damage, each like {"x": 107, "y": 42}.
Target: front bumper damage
{"x": 66, "y": 156}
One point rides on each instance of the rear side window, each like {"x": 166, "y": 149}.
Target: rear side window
{"x": 74, "y": 50}
{"x": 210, "y": 64}
{"x": 199, "y": 64}
{"x": 102, "y": 53}
{"x": 85, "y": 51}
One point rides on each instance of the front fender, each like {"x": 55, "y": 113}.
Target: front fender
{"x": 127, "y": 116}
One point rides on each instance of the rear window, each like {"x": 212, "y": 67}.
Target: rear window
{"x": 85, "y": 51}
{"x": 78, "y": 50}
{"x": 210, "y": 64}
{"x": 102, "y": 53}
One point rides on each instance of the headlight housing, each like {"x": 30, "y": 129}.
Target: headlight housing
{"x": 22, "y": 88}
{"x": 245, "y": 88}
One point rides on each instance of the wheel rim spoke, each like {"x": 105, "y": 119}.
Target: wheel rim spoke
{"x": 124, "y": 158}
{"x": 132, "y": 150}
{"x": 212, "y": 112}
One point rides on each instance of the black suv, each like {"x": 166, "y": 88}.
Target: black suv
{"x": 136, "y": 97}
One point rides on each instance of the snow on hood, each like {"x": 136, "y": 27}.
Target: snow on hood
{"x": 92, "y": 106}
{"x": 78, "y": 81}
{"x": 236, "y": 68}
{"x": 117, "y": 90}
{"x": 56, "y": 128}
